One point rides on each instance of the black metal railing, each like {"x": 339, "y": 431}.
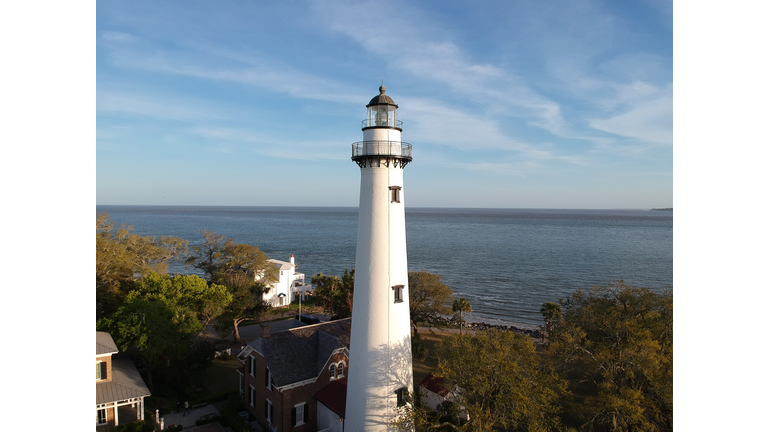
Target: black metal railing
{"x": 382, "y": 148}
{"x": 382, "y": 122}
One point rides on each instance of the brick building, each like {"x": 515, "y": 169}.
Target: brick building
{"x": 283, "y": 373}
{"x": 120, "y": 390}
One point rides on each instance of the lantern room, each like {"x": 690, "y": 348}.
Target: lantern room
{"x": 382, "y": 112}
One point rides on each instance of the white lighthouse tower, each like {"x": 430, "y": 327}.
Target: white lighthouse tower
{"x": 381, "y": 369}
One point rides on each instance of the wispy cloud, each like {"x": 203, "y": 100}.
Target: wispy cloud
{"x": 647, "y": 119}
{"x": 432, "y": 56}
{"x": 144, "y": 105}
{"x": 274, "y": 146}
{"x": 209, "y": 61}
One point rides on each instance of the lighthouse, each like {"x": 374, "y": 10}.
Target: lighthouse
{"x": 381, "y": 366}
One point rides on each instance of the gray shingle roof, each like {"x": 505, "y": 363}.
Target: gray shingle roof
{"x": 105, "y": 344}
{"x": 126, "y": 383}
{"x": 301, "y": 353}
{"x": 282, "y": 265}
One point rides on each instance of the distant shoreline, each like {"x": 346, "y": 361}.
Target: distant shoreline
{"x": 663, "y": 209}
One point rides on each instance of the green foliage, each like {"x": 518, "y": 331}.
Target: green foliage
{"x": 428, "y": 297}
{"x": 335, "y": 295}
{"x": 552, "y": 314}
{"x": 502, "y": 382}
{"x": 189, "y": 291}
{"x": 243, "y": 269}
{"x": 146, "y": 425}
{"x": 230, "y": 414}
{"x": 123, "y": 257}
{"x": 155, "y": 325}
{"x": 461, "y": 305}
{"x": 621, "y": 338}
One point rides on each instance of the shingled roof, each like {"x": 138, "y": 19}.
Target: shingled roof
{"x": 301, "y": 353}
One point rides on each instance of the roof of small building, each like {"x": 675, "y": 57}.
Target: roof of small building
{"x": 126, "y": 383}
{"x": 381, "y": 99}
{"x": 301, "y": 353}
{"x": 282, "y": 265}
{"x": 105, "y": 344}
{"x": 334, "y": 396}
{"x": 436, "y": 385}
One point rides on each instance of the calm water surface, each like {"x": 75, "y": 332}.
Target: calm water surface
{"x": 506, "y": 262}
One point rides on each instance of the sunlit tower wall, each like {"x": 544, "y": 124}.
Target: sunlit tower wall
{"x": 381, "y": 367}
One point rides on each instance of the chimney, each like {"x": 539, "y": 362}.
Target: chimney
{"x": 265, "y": 331}
{"x": 292, "y": 259}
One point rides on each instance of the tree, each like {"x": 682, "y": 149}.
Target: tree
{"x": 551, "y": 313}
{"x": 154, "y": 325}
{"x": 428, "y": 297}
{"x": 123, "y": 257}
{"x": 502, "y": 383}
{"x": 207, "y": 257}
{"x": 335, "y": 294}
{"x": 620, "y": 338}
{"x": 246, "y": 303}
{"x": 461, "y": 305}
{"x": 209, "y": 301}
{"x": 243, "y": 269}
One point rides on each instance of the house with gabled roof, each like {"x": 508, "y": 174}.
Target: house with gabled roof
{"x": 292, "y": 380}
{"x": 120, "y": 390}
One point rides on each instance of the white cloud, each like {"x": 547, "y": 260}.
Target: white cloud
{"x": 120, "y": 37}
{"x": 646, "y": 120}
{"x": 154, "y": 106}
{"x": 410, "y": 42}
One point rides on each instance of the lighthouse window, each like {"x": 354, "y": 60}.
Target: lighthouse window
{"x": 402, "y": 395}
{"x": 398, "y": 293}
{"x": 395, "y": 193}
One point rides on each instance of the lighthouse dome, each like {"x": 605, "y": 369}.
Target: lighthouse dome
{"x": 381, "y": 99}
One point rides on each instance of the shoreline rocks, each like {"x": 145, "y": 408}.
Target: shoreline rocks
{"x": 452, "y": 322}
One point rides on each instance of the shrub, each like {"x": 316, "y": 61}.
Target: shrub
{"x": 211, "y": 419}
{"x": 147, "y": 425}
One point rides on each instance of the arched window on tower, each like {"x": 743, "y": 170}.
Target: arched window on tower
{"x": 333, "y": 371}
{"x": 340, "y": 370}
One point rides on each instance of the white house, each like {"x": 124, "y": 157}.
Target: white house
{"x": 289, "y": 284}
{"x": 435, "y": 391}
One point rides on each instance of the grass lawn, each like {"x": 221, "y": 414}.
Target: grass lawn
{"x": 422, "y": 368}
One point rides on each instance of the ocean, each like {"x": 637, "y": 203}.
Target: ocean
{"x": 506, "y": 262}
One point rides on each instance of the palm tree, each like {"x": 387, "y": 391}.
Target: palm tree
{"x": 551, "y": 313}
{"x": 461, "y": 305}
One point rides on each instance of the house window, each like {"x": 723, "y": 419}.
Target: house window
{"x": 267, "y": 379}
{"x": 268, "y": 410}
{"x": 398, "y": 293}
{"x": 300, "y": 414}
{"x": 333, "y": 371}
{"x": 101, "y": 371}
{"x": 252, "y": 367}
{"x": 252, "y": 396}
{"x": 402, "y": 395}
{"x": 340, "y": 370}
{"x": 101, "y": 416}
{"x": 395, "y": 191}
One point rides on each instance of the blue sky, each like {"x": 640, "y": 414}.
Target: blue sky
{"x": 556, "y": 104}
